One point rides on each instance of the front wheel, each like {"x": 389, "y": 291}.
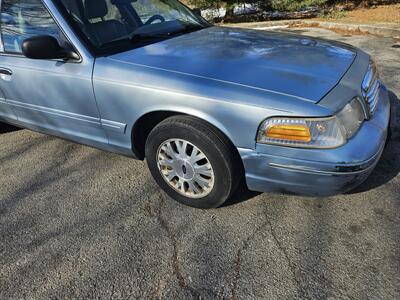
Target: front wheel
{"x": 192, "y": 162}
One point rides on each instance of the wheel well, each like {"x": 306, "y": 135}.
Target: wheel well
{"x": 143, "y": 126}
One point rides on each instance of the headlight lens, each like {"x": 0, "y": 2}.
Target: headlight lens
{"x": 330, "y": 132}
{"x": 351, "y": 117}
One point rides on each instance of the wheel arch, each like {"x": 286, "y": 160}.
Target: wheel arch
{"x": 143, "y": 126}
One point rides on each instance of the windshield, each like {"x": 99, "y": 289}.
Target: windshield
{"x": 108, "y": 23}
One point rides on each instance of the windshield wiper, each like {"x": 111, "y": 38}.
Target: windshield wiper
{"x": 137, "y": 37}
{"x": 189, "y": 27}
{"x": 186, "y": 28}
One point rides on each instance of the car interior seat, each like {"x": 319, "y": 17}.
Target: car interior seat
{"x": 97, "y": 27}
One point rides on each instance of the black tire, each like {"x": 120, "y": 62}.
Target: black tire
{"x": 220, "y": 152}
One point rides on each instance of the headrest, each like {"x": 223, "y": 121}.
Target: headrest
{"x": 95, "y": 9}
{"x": 72, "y": 6}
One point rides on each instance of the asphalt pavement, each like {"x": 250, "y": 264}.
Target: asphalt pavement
{"x": 79, "y": 223}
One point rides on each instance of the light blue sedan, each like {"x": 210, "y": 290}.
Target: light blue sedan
{"x": 208, "y": 107}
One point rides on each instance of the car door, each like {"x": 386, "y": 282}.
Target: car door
{"x": 54, "y": 96}
{"x": 6, "y": 111}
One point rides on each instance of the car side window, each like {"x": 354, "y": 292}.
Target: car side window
{"x": 22, "y": 19}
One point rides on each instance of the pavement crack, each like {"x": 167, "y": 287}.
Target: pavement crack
{"x": 284, "y": 252}
{"x": 238, "y": 259}
{"x": 177, "y": 271}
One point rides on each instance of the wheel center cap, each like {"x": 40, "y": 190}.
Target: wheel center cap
{"x": 184, "y": 169}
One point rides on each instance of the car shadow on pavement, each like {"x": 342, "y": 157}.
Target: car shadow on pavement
{"x": 389, "y": 164}
{"x": 242, "y": 194}
{"x": 6, "y": 128}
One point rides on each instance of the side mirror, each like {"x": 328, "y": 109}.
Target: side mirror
{"x": 46, "y": 47}
{"x": 196, "y": 12}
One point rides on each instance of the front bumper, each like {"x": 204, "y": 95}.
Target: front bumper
{"x": 319, "y": 172}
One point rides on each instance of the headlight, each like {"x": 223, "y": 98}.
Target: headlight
{"x": 351, "y": 117}
{"x": 330, "y": 132}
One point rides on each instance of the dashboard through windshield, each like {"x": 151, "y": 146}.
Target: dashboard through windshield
{"x": 112, "y": 23}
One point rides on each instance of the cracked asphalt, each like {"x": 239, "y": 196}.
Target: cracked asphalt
{"x": 79, "y": 223}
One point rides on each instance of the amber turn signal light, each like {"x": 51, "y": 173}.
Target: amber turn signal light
{"x": 295, "y": 132}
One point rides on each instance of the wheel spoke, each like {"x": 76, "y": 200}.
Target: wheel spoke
{"x": 171, "y": 175}
{"x": 167, "y": 148}
{"x": 181, "y": 146}
{"x": 203, "y": 170}
{"x": 202, "y": 182}
{"x": 197, "y": 157}
{"x": 193, "y": 187}
{"x": 166, "y": 162}
{"x": 179, "y": 185}
{"x": 194, "y": 153}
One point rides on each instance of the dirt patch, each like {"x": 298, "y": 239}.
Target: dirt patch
{"x": 389, "y": 14}
{"x": 344, "y": 32}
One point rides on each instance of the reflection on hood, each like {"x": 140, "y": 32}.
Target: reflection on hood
{"x": 284, "y": 63}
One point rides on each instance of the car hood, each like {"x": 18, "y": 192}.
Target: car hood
{"x": 298, "y": 66}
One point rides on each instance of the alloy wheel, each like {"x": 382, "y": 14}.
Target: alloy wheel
{"x": 185, "y": 168}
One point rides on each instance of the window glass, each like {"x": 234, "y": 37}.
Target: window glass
{"x": 105, "y": 23}
{"x": 22, "y": 19}
{"x": 112, "y": 13}
{"x": 148, "y": 8}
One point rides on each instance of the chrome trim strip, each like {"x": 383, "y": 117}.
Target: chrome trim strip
{"x": 114, "y": 126}
{"x": 370, "y": 88}
{"x": 364, "y": 166}
{"x": 368, "y": 78}
{"x": 87, "y": 119}
{"x": 304, "y": 169}
{"x": 375, "y": 99}
{"x": 91, "y": 121}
